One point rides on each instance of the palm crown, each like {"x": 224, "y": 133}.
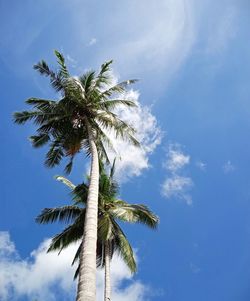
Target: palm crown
{"x": 110, "y": 210}
{"x": 86, "y": 107}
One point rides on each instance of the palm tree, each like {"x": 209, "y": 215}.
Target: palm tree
{"x": 111, "y": 238}
{"x": 78, "y": 121}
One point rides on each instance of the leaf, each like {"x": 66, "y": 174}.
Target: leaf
{"x": 69, "y": 166}
{"x": 66, "y": 182}
{"x": 54, "y": 156}
{"x": 38, "y": 141}
{"x": 61, "y": 61}
{"x": 62, "y": 214}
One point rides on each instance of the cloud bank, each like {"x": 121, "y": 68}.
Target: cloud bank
{"x": 49, "y": 277}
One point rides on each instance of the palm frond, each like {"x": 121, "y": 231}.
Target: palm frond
{"x": 69, "y": 235}
{"x": 62, "y": 214}
{"x": 134, "y": 214}
{"x": 87, "y": 80}
{"x": 22, "y": 117}
{"x": 39, "y": 141}
{"x": 38, "y": 102}
{"x": 61, "y": 61}
{"x": 54, "y": 156}
{"x": 65, "y": 181}
{"x": 118, "y": 88}
{"x": 56, "y": 80}
{"x": 124, "y": 249}
{"x": 80, "y": 193}
{"x": 113, "y": 103}
{"x": 103, "y": 78}
{"x": 104, "y": 230}
{"x": 69, "y": 166}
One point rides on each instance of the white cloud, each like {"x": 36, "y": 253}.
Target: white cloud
{"x": 42, "y": 275}
{"x": 176, "y": 159}
{"x": 177, "y": 185}
{"x": 134, "y": 160}
{"x": 194, "y": 268}
{"x": 92, "y": 42}
{"x": 228, "y": 167}
{"x": 71, "y": 60}
{"x": 201, "y": 165}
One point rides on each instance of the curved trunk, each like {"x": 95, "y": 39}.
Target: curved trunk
{"x": 86, "y": 290}
{"x": 107, "y": 288}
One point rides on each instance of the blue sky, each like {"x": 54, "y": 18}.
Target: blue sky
{"x": 193, "y": 62}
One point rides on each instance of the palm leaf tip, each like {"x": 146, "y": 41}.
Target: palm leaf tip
{"x": 22, "y": 117}
{"x": 40, "y": 140}
{"x": 65, "y": 181}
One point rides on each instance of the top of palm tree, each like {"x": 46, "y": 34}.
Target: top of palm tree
{"x": 86, "y": 107}
{"x": 111, "y": 210}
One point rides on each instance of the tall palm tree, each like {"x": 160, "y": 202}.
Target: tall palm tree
{"x": 111, "y": 238}
{"x": 78, "y": 121}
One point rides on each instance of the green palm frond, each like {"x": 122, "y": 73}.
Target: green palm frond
{"x": 87, "y": 81}
{"x": 56, "y": 80}
{"x": 134, "y": 214}
{"x": 69, "y": 235}
{"x": 68, "y": 167}
{"x": 61, "y": 61}
{"x": 124, "y": 249}
{"x": 54, "y": 156}
{"x": 62, "y": 214}
{"x": 104, "y": 230}
{"x": 103, "y": 79}
{"x": 119, "y": 88}
{"x": 22, "y": 117}
{"x": 114, "y": 103}
{"x": 39, "y": 141}
{"x": 40, "y": 103}
{"x": 80, "y": 193}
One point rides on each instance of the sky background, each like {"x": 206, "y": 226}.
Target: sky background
{"x": 193, "y": 118}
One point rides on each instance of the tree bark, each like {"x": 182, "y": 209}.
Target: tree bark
{"x": 107, "y": 288}
{"x": 86, "y": 290}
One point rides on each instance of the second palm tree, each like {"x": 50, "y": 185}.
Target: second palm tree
{"x": 111, "y": 238}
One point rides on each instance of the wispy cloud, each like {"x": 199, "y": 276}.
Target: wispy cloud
{"x": 92, "y": 42}
{"x": 178, "y": 187}
{"x": 176, "y": 184}
{"x": 194, "y": 268}
{"x": 228, "y": 167}
{"x": 223, "y": 31}
{"x": 201, "y": 165}
{"x": 159, "y": 39}
{"x": 71, "y": 60}
{"x": 176, "y": 159}
{"x": 43, "y": 274}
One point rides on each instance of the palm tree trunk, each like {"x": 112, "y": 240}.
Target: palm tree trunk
{"x": 86, "y": 290}
{"x": 107, "y": 288}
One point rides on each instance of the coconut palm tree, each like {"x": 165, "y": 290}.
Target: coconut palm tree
{"x": 111, "y": 238}
{"x": 79, "y": 120}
